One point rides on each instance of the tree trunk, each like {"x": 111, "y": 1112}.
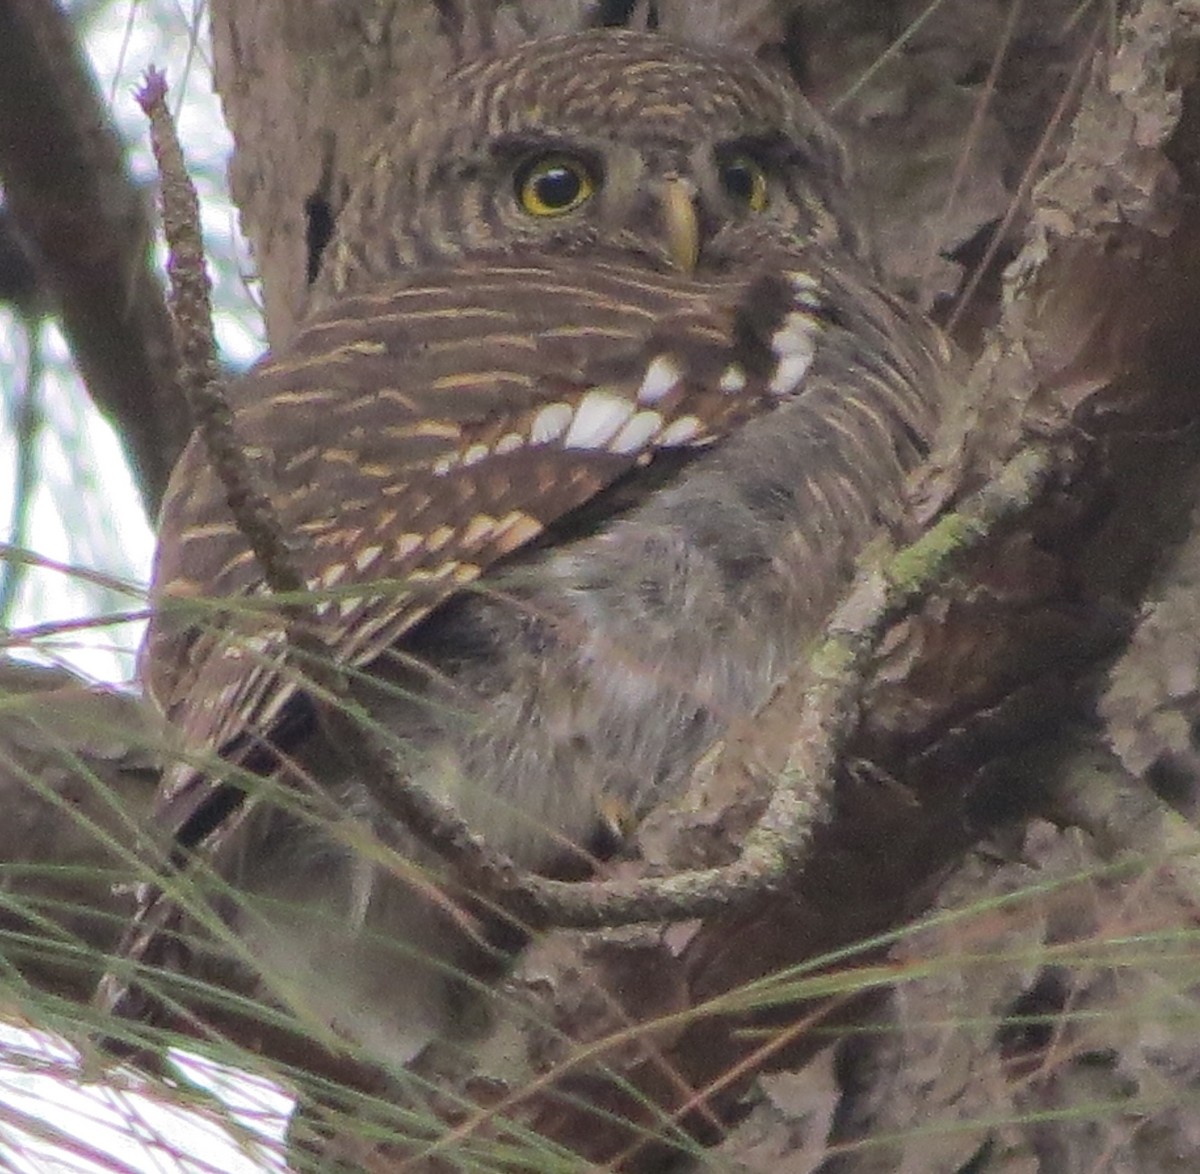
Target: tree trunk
{"x": 1026, "y": 747}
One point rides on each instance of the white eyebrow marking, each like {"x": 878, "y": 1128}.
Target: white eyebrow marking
{"x": 733, "y": 378}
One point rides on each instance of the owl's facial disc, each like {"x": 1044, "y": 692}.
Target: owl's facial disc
{"x": 665, "y": 201}
{"x": 569, "y": 146}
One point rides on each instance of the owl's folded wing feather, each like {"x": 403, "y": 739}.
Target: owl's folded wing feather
{"x": 413, "y": 437}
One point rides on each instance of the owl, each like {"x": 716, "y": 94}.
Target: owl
{"x": 596, "y": 395}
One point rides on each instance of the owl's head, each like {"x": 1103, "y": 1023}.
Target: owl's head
{"x": 607, "y": 142}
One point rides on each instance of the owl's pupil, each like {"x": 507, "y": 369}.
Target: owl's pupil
{"x": 739, "y": 182}
{"x": 558, "y": 187}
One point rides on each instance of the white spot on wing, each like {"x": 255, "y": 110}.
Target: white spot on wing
{"x": 807, "y": 290}
{"x": 438, "y": 537}
{"x": 474, "y": 454}
{"x": 550, "y": 423}
{"x": 477, "y": 529}
{"x": 350, "y": 603}
{"x": 516, "y": 528}
{"x": 682, "y": 431}
{"x": 407, "y": 543}
{"x": 332, "y": 575}
{"x": 509, "y": 442}
{"x": 365, "y": 557}
{"x": 432, "y": 574}
{"x": 598, "y": 418}
{"x": 662, "y": 376}
{"x": 637, "y": 433}
{"x": 795, "y": 345}
{"x": 733, "y": 379}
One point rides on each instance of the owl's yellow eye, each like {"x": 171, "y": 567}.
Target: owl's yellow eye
{"x": 746, "y": 181}
{"x": 553, "y": 184}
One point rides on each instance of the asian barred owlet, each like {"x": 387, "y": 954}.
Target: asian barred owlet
{"x": 597, "y": 395}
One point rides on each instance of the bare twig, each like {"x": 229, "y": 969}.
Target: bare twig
{"x": 775, "y": 849}
{"x": 191, "y": 309}
{"x": 433, "y": 822}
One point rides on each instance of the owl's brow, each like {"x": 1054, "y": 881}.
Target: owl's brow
{"x": 521, "y": 144}
{"x": 771, "y": 146}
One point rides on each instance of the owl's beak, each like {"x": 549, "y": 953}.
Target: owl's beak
{"x": 681, "y": 223}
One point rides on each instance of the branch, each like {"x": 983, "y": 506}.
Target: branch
{"x": 26, "y": 423}
{"x": 78, "y": 770}
{"x": 68, "y": 189}
{"x": 775, "y": 849}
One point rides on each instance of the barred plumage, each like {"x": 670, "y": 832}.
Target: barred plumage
{"x": 438, "y": 186}
{"x": 416, "y": 489}
{"x": 559, "y": 484}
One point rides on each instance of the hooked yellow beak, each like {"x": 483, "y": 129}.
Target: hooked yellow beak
{"x": 681, "y": 223}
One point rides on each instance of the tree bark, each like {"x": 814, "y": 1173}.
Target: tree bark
{"x": 67, "y": 188}
{"x": 1031, "y": 704}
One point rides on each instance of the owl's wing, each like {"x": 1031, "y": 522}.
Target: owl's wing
{"x": 413, "y": 437}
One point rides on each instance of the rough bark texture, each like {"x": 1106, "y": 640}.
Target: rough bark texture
{"x": 1052, "y": 1027}
{"x": 967, "y": 686}
{"x": 66, "y": 187}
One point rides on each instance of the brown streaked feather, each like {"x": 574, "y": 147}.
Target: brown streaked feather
{"x": 412, "y": 437}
